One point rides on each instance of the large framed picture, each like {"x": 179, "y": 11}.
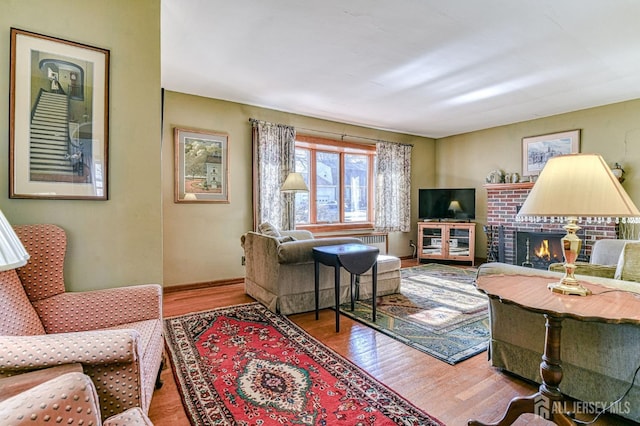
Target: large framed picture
{"x": 58, "y": 119}
{"x": 537, "y": 150}
{"x": 201, "y": 166}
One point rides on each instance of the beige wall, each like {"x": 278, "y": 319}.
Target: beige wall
{"x": 119, "y": 241}
{"x": 202, "y": 241}
{"x": 612, "y": 131}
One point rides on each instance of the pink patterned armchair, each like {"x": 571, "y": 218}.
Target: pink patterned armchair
{"x": 58, "y": 395}
{"x": 116, "y": 334}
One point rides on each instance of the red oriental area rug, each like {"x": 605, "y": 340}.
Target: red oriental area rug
{"x": 244, "y": 365}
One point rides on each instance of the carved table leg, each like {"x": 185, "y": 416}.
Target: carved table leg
{"x": 548, "y": 402}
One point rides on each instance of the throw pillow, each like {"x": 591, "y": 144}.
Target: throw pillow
{"x": 268, "y": 229}
{"x": 285, "y": 239}
{"x": 628, "y": 268}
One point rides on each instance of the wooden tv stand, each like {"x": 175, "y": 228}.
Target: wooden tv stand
{"x": 447, "y": 241}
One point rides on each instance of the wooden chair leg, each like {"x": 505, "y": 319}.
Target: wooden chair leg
{"x": 163, "y": 365}
{"x": 159, "y": 381}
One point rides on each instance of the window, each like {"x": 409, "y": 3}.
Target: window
{"x": 340, "y": 180}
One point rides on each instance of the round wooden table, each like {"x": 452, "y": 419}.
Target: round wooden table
{"x": 531, "y": 293}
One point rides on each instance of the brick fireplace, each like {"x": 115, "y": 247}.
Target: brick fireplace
{"x": 503, "y": 202}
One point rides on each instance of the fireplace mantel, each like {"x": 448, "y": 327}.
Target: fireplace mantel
{"x": 518, "y": 185}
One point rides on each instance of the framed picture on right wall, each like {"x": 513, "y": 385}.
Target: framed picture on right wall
{"x": 537, "y": 150}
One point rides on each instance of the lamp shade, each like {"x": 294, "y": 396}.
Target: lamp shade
{"x": 581, "y": 186}
{"x": 190, "y": 196}
{"x": 12, "y": 252}
{"x": 454, "y": 206}
{"x": 294, "y": 183}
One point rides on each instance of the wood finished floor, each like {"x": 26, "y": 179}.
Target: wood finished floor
{"x": 453, "y": 394}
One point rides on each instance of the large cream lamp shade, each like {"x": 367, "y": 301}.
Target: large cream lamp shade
{"x": 571, "y": 189}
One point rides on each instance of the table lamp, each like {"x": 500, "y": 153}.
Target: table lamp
{"x": 572, "y": 188}
{"x": 12, "y": 252}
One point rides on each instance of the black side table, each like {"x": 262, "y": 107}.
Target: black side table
{"x": 356, "y": 259}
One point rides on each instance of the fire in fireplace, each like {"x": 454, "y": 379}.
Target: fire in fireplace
{"x": 538, "y": 249}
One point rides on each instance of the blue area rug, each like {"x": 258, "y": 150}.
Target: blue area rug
{"x": 438, "y": 311}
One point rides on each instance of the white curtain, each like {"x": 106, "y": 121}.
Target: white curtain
{"x": 273, "y": 159}
{"x": 393, "y": 187}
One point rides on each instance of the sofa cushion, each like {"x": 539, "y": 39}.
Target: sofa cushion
{"x": 268, "y": 229}
{"x": 386, "y": 263}
{"x": 628, "y": 268}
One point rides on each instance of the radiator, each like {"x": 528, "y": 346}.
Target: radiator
{"x": 376, "y": 240}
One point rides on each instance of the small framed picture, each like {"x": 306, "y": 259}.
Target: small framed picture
{"x": 537, "y": 150}
{"x": 59, "y": 119}
{"x": 201, "y": 166}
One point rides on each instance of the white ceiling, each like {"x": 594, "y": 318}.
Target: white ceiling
{"x": 424, "y": 67}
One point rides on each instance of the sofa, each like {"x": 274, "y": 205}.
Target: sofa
{"x": 599, "y": 360}
{"x": 280, "y": 271}
{"x": 116, "y": 334}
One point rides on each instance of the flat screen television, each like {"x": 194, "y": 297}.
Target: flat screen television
{"x": 447, "y": 204}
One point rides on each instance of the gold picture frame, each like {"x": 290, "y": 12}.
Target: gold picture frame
{"x": 58, "y": 119}
{"x": 537, "y": 150}
{"x": 201, "y": 166}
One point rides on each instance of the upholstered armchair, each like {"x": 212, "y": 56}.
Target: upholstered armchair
{"x": 116, "y": 334}
{"x": 58, "y": 395}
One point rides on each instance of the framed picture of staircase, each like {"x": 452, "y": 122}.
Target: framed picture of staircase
{"x": 59, "y": 125}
